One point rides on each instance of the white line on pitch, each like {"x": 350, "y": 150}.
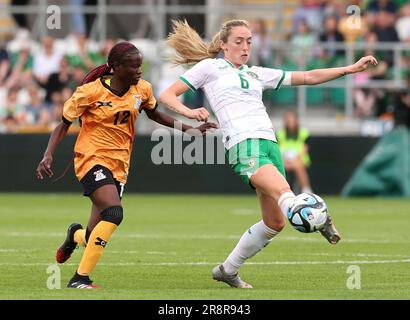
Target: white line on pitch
{"x": 131, "y": 252}
{"x": 205, "y": 263}
{"x": 192, "y": 237}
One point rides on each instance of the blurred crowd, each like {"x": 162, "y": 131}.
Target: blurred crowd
{"x": 35, "y": 81}
{"x": 319, "y": 24}
{"x": 36, "y": 77}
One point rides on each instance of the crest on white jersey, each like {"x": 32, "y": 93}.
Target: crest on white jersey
{"x": 252, "y": 74}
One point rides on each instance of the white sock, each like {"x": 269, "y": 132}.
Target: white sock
{"x": 284, "y": 202}
{"x": 307, "y": 190}
{"x": 251, "y": 242}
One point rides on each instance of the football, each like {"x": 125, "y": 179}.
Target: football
{"x": 308, "y": 213}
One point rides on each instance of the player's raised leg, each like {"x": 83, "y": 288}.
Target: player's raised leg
{"x": 66, "y": 249}
{"x": 95, "y": 218}
{"x": 285, "y": 197}
{"x": 77, "y": 236}
{"x": 270, "y": 182}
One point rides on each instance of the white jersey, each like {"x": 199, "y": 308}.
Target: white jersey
{"x": 235, "y": 96}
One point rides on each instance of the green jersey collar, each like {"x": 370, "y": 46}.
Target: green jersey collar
{"x": 231, "y": 64}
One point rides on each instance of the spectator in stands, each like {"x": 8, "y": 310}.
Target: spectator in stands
{"x": 78, "y": 76}
{"x": 367, "y": 99}
{"x": 293, "y": 146}
{"x": 85, "y": 58}
{"x": 21, "y": 64}
{"x": 4, "y": 64}
{"x": 302, "y": 45}
{"x": 385, "y": 32}
{"x": 403, "y": 24}
{"x": 56, "y": 108}
{"x": 379, "y": 72}
{"x": 334, "y": 8}
{"x": 37, "y": 114}
{"x": 9, "y": 125}
{"x": 375, "y": 6}
{"x": 310, "y": 12}
{"x": 58, "y": 80}
{"x": 66, "y": 93}
{"x": 261, "y": 45}
{"x": 13, "y": 114}
{"x": 384, "y": 27}
{"x": 331, "y": 36}
{"x": 46, "y": 61}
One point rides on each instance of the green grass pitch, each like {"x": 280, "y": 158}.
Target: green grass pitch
{"x": 167, "y": 245}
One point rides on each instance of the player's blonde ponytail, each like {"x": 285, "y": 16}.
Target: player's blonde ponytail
{"x": 189, "y": 46}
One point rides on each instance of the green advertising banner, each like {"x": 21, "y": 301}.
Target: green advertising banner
{"x": 385, "y": 171}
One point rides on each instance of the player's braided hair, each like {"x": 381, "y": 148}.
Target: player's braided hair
{"x": 189, "y": 46}
{"x": 116, "y": 55}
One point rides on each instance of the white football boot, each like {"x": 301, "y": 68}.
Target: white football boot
{"x": 219, "y": 274}
{"x": 329, "y": 231}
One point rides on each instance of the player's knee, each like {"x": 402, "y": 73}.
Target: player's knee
{"x": 113, "y": 214}
{"x": 282, "y": 190}
{"x": 279, "y": 225}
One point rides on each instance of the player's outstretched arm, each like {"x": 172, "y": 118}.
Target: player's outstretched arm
{"x": 166, "y": 120}
{"x": 56, "y": 136}
{"x": 318, "y": 76}
{"x": 170, "y": 99}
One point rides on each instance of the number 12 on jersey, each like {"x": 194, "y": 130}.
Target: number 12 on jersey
{"x": 125, "y": 116}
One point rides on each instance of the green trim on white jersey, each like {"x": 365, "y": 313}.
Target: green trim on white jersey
{"x": 187, "y": 83}
{"x": 231, "y": 64}
{"x": 281, "y": 80}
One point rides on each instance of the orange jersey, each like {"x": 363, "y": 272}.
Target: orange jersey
{"x": 108, "y": 125}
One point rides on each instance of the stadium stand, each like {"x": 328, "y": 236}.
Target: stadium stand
{"x": 32, "y": 93}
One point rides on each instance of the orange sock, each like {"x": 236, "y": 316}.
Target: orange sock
{"x": 79, "y": 237}
{"x": 95, "y": 246}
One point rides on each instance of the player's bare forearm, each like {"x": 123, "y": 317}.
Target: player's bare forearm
{"x": 171, "y": 101}
{"x": 45, "y": 164}
{"x": 318, "y": 76}
{"x": 56, "y": 136}
{"x": 171, "y": 122}
{"x": 166, "y": 120}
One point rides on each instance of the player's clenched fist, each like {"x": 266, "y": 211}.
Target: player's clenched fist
{"x": 200, "y": 114}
